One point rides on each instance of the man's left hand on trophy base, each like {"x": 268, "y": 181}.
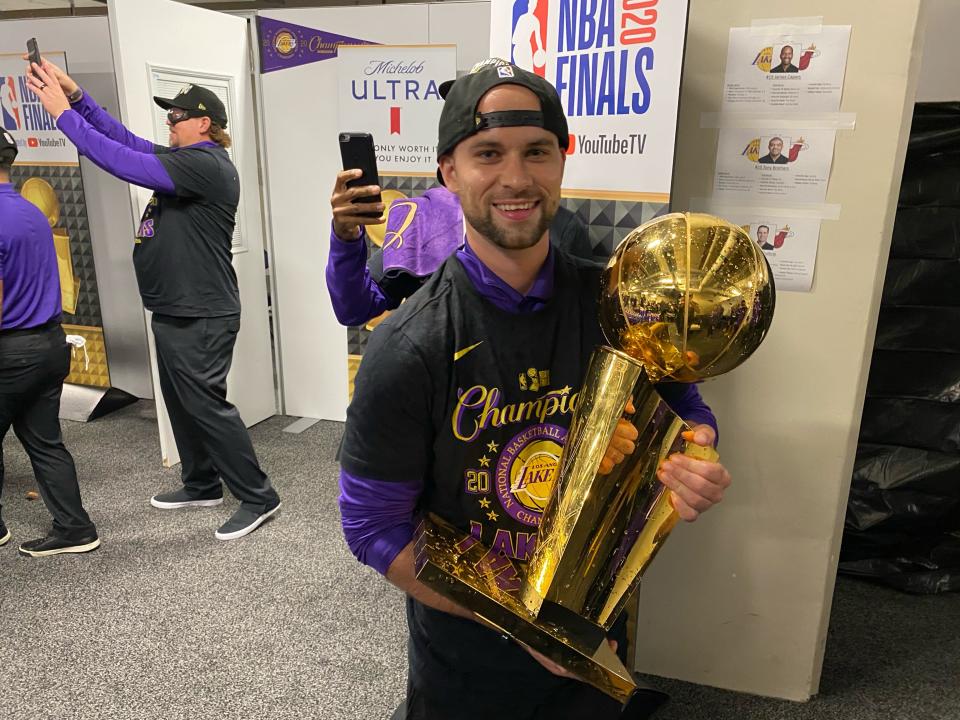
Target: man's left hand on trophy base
{"x": 553, "y": 667}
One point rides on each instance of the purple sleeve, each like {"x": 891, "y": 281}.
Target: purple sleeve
{"x": 106, "y": 124}
{"x": 356, "y": 297}
{"x": 377, "y": 518}
{"x": 139, "y": 168}
{"x": 684, "y": 399}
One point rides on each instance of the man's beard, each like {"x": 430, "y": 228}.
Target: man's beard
{"x": 518, "y": 240}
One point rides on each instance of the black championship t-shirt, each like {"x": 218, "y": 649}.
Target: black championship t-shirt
{"x": 182, "y": 256}
{"x": 477, "y": 402}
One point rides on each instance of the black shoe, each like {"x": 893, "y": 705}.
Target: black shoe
{"x": 53, "y": 545}
{"x": 243, "y": 523}
{"x": 4, "y": 534}
{"x": 179, "y": 499}
{"x": 645, "y": 702}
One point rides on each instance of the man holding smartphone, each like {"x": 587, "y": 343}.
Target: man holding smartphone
{"x": 443, "y": 394}
{"x": 431, "y": 228}
{"x": 34, "y": 361}
{"x": 183, "y": 261}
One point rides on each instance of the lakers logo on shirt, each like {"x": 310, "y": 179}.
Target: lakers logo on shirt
{"x": 527, "y": 470}
{"x": 147, "y": 222}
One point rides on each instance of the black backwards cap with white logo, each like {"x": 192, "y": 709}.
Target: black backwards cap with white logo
{"x": 459, "y": 118}
{"x": 199, "y": 101}
{"x": 7, "y": 142}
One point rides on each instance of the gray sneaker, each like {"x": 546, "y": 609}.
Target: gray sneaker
{"x": 243, "y": 523}
{"x": 179, "y": 499}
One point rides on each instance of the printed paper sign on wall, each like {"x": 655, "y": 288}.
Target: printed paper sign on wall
{"x": 789, "y": 70}
{"x": 791, "y": 165}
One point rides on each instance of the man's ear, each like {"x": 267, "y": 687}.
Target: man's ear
{"x": 449, "y": 172}
{"x": 205, "y": 124}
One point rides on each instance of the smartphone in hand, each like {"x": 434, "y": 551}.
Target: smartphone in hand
{"x": 33, "y": 52}
{"x": 357, "y": 152}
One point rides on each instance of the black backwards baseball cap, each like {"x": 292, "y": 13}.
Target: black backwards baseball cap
{"x": 459, "y": 118}
{"x": 7, "y": 142}
{"x": 199, "y": 101}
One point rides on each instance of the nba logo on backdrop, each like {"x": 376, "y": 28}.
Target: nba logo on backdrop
{"x": 529, "y": 35}
{"x": 9, "y": 104}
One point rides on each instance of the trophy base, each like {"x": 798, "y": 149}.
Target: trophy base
{"x": 463, "y": 570}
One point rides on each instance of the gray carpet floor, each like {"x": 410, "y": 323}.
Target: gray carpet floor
{"x": 166, "y": 622}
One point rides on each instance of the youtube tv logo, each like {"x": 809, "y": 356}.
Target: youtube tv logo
{"x": 33, "y": 142}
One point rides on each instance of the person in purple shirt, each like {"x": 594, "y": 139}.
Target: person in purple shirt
{"x": 34, "y": 361}
{"x": 421, "y": 232}
{"x": 475, "y": 372}
{"x": 183, "y": 257}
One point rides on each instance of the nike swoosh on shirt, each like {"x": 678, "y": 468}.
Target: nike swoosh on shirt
{"x": 460, "y": 353}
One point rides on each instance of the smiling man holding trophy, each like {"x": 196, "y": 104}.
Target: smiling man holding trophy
{"x": 517, "y": 562}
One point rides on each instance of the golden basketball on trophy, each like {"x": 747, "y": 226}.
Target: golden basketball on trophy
{"x": 684, "y": 297}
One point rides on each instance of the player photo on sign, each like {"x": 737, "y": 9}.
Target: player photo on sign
{"x": 792, "y": 166}
{"x": 789, "y": 244}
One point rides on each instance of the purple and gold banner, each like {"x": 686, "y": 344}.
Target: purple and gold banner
{"x": 285, "y": 45}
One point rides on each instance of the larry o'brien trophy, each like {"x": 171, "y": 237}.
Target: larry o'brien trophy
{"x": 685, "y": 297}
{"x": 39, "y": 192}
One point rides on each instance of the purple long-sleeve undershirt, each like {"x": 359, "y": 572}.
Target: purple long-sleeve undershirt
{"x": 377, "y": 515}
{"x": 140, "y": 168}
{"x": 354, "y": 294}
{"x": 108, "y": 125}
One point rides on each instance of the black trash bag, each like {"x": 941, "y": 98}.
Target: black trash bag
{"x": 903, "y": 516}
{"x": 896, "y": 489}
{"x": 925, "y": 424}
{"x": 922, "y": 282}
{"x": 931, "y": 233}
{"x": 916, "y": 374}
{"x": 933, "y": 179}
{"x": 935, "y": 128}
{"x": 918, "y": 328}
{"x": 892, "y": 467}
{"x": 924, "y": 565}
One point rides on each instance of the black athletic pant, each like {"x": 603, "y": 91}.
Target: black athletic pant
{"x": 467, "y": 672}
{"x": 193, "y": 359}
{"x": 33, "y": 365}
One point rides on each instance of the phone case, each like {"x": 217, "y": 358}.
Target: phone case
{"x": 33, "y": 51}
{"x": 357, "y": 152}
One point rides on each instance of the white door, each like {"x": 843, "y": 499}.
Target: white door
{"x": 156, "y": 43}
